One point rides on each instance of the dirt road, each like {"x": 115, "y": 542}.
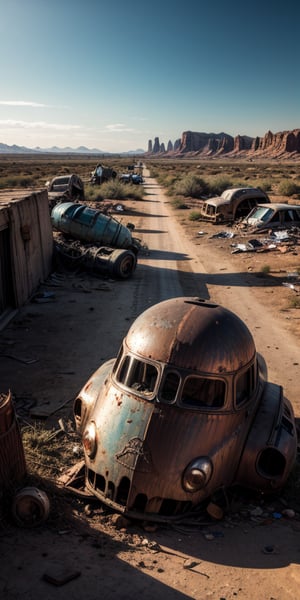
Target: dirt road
{"x": 180, "y": 267}
{"x": 50, "y": 350}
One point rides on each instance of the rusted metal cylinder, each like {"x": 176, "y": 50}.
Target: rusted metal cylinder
{"x": 12, "y": 457}
{"x": 90, "y": 225}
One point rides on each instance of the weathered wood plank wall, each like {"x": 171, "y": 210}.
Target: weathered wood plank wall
{"x": 31, "y": 241}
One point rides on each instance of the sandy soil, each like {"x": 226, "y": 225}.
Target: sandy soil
{"x": 48, "y": 352}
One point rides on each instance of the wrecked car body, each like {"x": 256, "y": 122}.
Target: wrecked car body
{"x": 183, "y": 411}
{"x": 65, "y": 187}
{"x": 92, "y": 227}
{"x": 233, "y": 204}
{"x": 102, "y": 174}
{"x": 265, "y": 217}
{"x": 134, "y": 178}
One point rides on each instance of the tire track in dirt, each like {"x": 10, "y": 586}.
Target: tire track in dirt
{"x": 176, "y": 266}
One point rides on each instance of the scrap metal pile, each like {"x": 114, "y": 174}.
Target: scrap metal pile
{"x": 76, "y": 255}
{"x": 88, "y": 239}
{"x": 282, "y": 240}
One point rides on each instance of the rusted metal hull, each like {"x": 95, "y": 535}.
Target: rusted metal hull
{"x": 90, "y": 225}
{"x": 155, "y": 456}
{"x": 144, "y": 449}
{"x": 271, "y": 447}
{"x": 222, "y": 341}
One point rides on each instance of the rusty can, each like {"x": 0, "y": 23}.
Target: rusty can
{"x": 30, "y": 507}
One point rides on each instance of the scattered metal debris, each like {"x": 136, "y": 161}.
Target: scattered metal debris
{"x": 43, "y": 297}
{"x": 222, "y": 234}
{"x": 55, "y": 280}
{"x": 250, "y": 246}
{"x": 282, "y": 240}
{"x": 189, "y": 563}
{"x": 73, "y": 479}
{"x": 292, "y": 286}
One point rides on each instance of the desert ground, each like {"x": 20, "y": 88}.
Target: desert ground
{"x": 48, "y": 352}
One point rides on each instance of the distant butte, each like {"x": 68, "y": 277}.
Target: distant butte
{"x": 284, "y": 145}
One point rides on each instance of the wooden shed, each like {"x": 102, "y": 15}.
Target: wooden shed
{"x": 26, "y": 247}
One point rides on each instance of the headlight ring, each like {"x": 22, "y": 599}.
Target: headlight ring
{"x": 197, "y": 474}
{"x": 89, "y": 439}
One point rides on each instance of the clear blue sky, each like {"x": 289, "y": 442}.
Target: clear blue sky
{"x": 112, "y": 75}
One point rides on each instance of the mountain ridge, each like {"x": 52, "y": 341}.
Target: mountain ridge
{"x": 14, "y": 149}
{"x": 282, "y": 144}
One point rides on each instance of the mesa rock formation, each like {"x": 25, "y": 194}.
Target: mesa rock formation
{"x": 283, "y": 144}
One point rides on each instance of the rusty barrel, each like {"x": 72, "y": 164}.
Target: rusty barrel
{"x": 12, "y": 458}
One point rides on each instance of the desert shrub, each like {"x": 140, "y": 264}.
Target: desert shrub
{"x": 93, "y": 192}
{"x": 288, "y": 188}
{"x": 265, "y": 269}
{"x": 219, "y": 184}
{"x": 179, "y": 203}
{"x": 46, "y": 452}
{"x": 264, "y": 184}
{"x": 194, "y": 215}
{"x": 294, "y": 302}
{"x": 191, "y": 186}
{"x": 116, "y": 190}
{"x": 22, "y": 181}
{"x": 167, "y": 181}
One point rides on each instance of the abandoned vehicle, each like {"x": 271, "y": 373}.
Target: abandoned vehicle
{"x": 233, "y": 204}
{"x": 274, "y": 216}
{"x": 65, "y": 187}
{"x": 134, "y": 178}
{"x": 91, "y": 226}
{"x": 102, "y": 174}
{"x": 183, "y": 411}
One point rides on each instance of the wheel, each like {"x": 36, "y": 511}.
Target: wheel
{"x": 123, "y": 263}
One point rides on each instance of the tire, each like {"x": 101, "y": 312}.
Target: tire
{"x": 122, "y": 263}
